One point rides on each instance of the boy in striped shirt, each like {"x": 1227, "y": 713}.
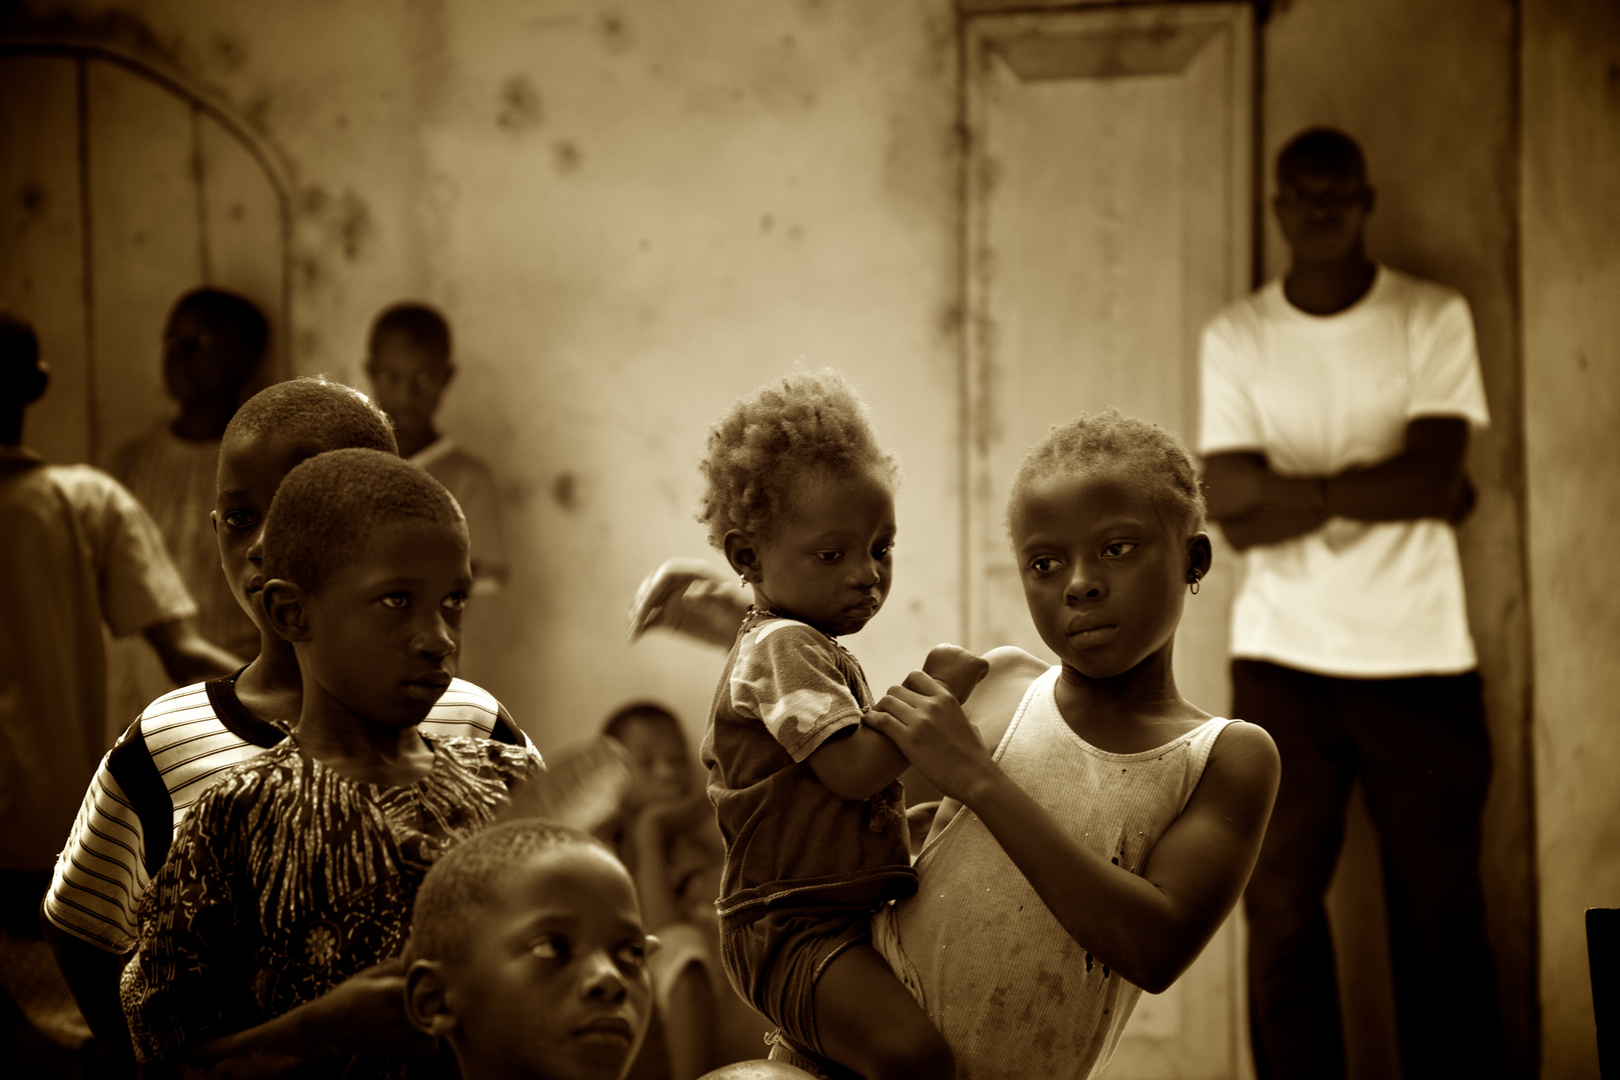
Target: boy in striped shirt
{"x": 189, "y": 738}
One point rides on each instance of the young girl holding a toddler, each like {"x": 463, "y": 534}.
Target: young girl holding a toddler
{"x": 1118, "y": 821}
{"x": 800, "y": 499}
{"x": 1100, "y": 827}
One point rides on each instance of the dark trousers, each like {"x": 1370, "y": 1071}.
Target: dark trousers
{"x": 1422, "y": 751}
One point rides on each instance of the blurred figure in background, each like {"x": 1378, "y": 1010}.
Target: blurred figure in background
{"x": 408, "y": 360}
{"x": 666, "y": 834}
{"x": 211, "y": 347}
{"x": 75, "y": 551}
{"x": 1337, "y": 405}
{"x": 212, "y": 343}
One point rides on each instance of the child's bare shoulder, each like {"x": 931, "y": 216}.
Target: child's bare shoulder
{"x": 1240, "y": 741}
{"x": 1243, "y": 762}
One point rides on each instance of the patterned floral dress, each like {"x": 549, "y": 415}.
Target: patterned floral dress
{"x": 286, "y": 878}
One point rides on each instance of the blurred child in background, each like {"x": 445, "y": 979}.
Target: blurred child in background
{"x": 77, "y": 552}
{"x": 212, "y": 345}
{"x": 667, "y": 836}
{"x": 408, "y": 359}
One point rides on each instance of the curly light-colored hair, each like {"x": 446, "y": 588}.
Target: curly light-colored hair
{"x": 1153, "y": 458}
{"x": 806, "y": 421}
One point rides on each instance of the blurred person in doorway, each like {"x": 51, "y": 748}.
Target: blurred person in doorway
{"x": 1338, "y": 402}
{"x": 408, "y": 359}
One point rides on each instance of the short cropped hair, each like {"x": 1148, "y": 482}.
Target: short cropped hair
{"x": 807, "y": 421}
{"x": 461, "y": 886}
{"x": 238, "y": 312}
{"x": 329, "y": 504}
{"x": 1322, "y": 151}
{"x": 313, "y": 408}
{"x": 642, "y": 712}
{"x": 420, "y": 324}
{"x": 1152, "y": 457}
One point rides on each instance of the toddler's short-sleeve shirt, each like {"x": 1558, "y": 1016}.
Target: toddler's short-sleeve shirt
{"x": 788, "y": 688}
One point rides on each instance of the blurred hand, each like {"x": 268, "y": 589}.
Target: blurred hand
{"x": 583, "y": 787}
{"x": 692, "y": 598}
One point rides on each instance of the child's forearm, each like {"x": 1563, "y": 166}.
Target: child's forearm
{"x": 858, "y": 765}
{"x": 1123, "y": 920}
{"x": 363, "y": 1014}
{"x": 92, "y": 977}
{"x": 650, "y": 866}
{"x": 271, "y": 1049}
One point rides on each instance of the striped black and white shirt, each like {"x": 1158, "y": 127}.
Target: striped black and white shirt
{"x": 179, "y": 746}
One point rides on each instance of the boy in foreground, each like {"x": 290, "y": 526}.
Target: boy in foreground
{"x": 527, "y": 956}
{"x": 293, "y": 877}
{"x": 184, "y": 741}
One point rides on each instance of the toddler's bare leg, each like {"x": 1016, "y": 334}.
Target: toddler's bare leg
{"x": 870, "y": 1023}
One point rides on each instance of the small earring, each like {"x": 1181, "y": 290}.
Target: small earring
{"x": 1196, "y": 576}
{"x": 742, "y": 579}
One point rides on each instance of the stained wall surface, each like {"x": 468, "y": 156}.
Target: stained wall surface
{"x": 632, "y": 215}
{"x": 1571, "y": 273}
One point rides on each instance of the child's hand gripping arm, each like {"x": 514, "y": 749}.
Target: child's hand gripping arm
{"x": 863, "y": 762}
{"x": 1148, "y": 928}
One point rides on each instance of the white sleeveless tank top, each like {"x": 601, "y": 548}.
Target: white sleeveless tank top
{"x": 1012, "y": 992}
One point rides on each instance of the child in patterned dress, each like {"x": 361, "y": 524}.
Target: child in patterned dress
{"x": 298, "y": 870}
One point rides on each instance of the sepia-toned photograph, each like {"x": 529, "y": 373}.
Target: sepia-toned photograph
{"x": 850, "y": 539}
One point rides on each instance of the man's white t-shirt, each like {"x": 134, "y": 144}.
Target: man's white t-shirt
{"x": 1320, "y": 394}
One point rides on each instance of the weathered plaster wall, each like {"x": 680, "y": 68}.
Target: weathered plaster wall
{"x": 1571, "y": 275}
{"x": 1428, "y": 90}
{"x": 645, "y": 211}
{"x": 632, "y": 214}
{"x": 338, "y": 91}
